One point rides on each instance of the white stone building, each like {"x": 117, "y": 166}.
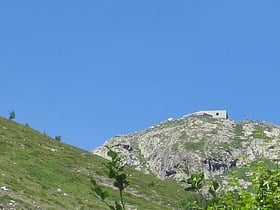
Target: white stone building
{"x": 222, "y": 114}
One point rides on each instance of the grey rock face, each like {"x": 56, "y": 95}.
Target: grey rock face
{"x": 196, "y": 143}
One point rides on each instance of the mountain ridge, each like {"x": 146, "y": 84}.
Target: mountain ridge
{"x": 195, "y": 142}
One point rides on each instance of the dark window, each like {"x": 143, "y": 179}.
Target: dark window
{"x": 217, "y": 113}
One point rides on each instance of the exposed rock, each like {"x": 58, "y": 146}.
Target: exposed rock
{"x": 59, "y": 190}
{"x": 196, "y": 143}
{"x": 4, "y": 188}
{"x": 12, "y": 203}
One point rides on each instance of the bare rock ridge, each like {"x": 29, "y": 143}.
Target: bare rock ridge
{"x": 197, "y": 142}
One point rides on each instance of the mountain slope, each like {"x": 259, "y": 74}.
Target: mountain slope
{"x": 197, "y": 143}
{"x": 38, "y": 172}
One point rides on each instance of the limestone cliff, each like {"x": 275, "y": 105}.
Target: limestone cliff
{"x": 196, "y": 143}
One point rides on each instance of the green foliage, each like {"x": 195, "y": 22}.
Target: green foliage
{"x": 199, "y": 145}
{"x": 195, "y": 182}
{"x": 268, "y": 189}
{"x": 57, "y": 138}
{"x": 115, "y": 171}
{"x": 151, "y": 184}
{"x": 239, "y": 129}
{"x": 264, "y": 192}
{"x": 12, "y": 115}
{"x": 34, "y": 166}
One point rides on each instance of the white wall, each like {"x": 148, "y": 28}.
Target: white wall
{"x": 214, "y": 113}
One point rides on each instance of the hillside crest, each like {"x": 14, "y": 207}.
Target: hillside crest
{"x": 196, "y": 142}
{"x": 39, "y": 172}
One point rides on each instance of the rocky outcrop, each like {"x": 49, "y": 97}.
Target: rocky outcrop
{"x": 196, "y": 143}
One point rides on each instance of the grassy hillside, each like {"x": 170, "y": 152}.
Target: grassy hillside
{"x": 38, "y": 172}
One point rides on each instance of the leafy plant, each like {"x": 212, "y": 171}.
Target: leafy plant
{"x": 194, "y": 183}
{"x": 115, "y": 171}
{"x": 12, "y": 115}
{"x": 263, "y": 193}
{"x": 57, "y": 138}
{"x": 268, "y": 189}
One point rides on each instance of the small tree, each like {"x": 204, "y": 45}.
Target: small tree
{"x": 57, "y": 138}
{"x": 263, "y": 193}
{"x": 12, "y": 115}
{"x": 115, "y": 172}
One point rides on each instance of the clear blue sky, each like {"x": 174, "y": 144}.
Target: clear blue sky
{"x": 89, "y": 70}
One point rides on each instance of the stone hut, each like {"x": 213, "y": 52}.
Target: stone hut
{"x": 221, "y": 114}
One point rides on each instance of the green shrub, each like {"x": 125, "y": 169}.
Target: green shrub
{"x": 264, "y": 192}
{"x": 115, "y": 172}
{"x": 12, "y": 115}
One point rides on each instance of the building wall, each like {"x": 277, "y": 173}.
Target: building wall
{"x": 215, "y": 113}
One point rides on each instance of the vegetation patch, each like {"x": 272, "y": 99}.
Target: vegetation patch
{"x": 194, "y": 145}
{"x": 37, "y": 171}
{"x": 238, "y": 130}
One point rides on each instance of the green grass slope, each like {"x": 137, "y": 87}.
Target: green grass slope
{"x": 37, "y": 172}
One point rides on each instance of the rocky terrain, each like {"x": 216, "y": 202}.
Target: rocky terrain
{"x": 197, "y": 143}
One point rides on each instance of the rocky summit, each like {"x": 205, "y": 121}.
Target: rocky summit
{"x": 195, "y": 143}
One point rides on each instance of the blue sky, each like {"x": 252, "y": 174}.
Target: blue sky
{"x": 90, "y": 70}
